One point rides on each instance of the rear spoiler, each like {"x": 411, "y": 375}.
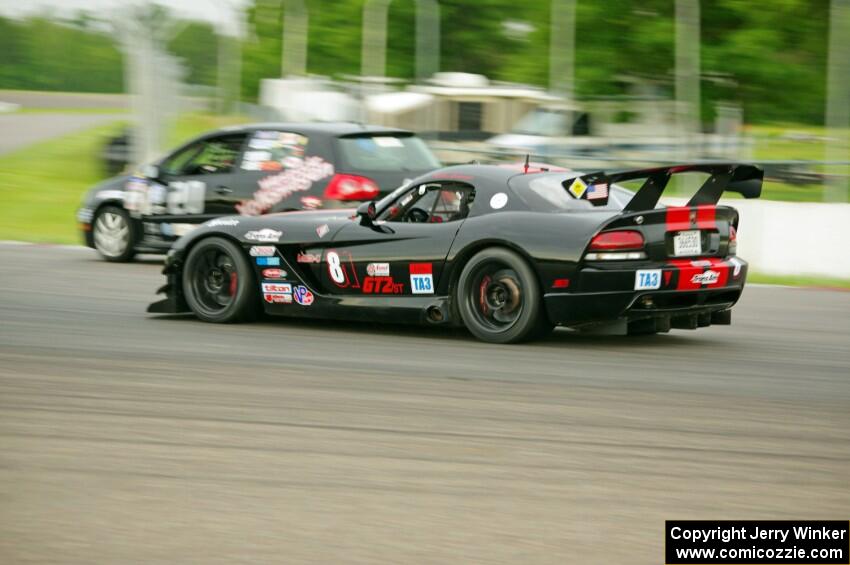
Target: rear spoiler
{"x": 744, "y": 179}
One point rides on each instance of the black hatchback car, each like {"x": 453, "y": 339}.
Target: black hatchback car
{"x": 248, "y": 170}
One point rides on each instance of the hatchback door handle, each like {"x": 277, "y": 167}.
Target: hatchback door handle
{"x": 223, "y": 190}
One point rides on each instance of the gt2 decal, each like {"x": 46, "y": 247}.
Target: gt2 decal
{"x": 280, "y": 186}
{"x": 421, "y": 278}
{"x": 382, "y": 285}
{"x": 303, "y": 296}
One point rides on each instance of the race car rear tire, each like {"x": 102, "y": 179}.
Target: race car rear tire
{"x": 499, "y": 299}
{"x": 114, "y": 234}
{"x": 218, "y": 282}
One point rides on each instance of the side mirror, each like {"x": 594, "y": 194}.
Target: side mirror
{"x": 150, "y": 171}
{"x": 367, "y": 213}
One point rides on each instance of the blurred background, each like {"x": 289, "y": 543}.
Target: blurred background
{"x": 127, "y": 438}
{"x": 89, "y": 88}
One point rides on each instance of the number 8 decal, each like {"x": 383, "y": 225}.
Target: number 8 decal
{"x": 336, "y": 270}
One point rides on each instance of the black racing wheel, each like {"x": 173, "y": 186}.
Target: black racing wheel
{"x": 218, "y": 282}
{"x": 499, "y": 298}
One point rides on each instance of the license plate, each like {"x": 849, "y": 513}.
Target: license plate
{"x": 687, "y": 243}
{"x": 648, "y": 279}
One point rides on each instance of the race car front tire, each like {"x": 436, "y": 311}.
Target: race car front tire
{"x": 499, "y": 299}
{"x": 218, "y": 282}
{"x": 114, "y": 234}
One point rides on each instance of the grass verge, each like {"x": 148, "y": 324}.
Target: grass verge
{"x": 41, "y": 185}
{"x": 794, "y": 280}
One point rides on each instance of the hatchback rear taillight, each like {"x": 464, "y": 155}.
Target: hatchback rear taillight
{"x": 616, "y": 246}
{"x": 351, "y": 187}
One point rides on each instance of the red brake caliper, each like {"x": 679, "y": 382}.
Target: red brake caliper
{"x": 232, "y": 284}
{"x": 482, "y": 295}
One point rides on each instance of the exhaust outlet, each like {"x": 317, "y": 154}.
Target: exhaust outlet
{"x": 435, "y": 314}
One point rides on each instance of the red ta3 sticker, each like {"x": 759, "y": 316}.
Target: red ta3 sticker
{"x": 421, "y": 278}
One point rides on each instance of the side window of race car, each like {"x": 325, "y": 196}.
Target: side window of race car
{"x": 272, "y": 150}
{"x": 433, "y": 203}
{"x": 208, "y": 156}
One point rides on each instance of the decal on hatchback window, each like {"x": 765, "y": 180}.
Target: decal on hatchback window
{"x": 280, "y": 186}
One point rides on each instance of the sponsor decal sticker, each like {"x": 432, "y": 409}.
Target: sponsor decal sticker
{"x": 421, "y": 278}
{"x": 268, "y": 261}
{"x": 276, "y": 287}
{"x": 303, "y": 296}
{"x": 577, "y": 188}
{"x": 277, "y": 187}
{"x": 647, "y": 279}
{"x": 382, "y": 285}
{"x": 498, "y": 201}
{"x": 737, "y": 264}
{"x": 322, "y": 230}
{"x": 308, "y": 258}
{"x": 277, "y": 298}
{"x": 274, "y": 274}
{"x": 701, "y": 263}
{"x": 265, "y": 234}
{"x": 262, "y": 250}
{"x": 708, "y": 277}
{"x": 378, "y": 269}
{"x": 218, "y": 222}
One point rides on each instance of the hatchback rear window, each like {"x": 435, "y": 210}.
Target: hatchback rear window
{"x": 387, "y": 153}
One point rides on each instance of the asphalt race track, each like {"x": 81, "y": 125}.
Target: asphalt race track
{"x": 128, "y": 438}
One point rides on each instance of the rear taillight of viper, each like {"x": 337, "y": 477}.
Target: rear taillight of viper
{"x": 616, "y": 246}
{"x": 733, "y": 240}
{"x": 351, "y": 187}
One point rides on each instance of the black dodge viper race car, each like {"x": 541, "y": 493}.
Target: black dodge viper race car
{"x": 509, "y": 254}
{"x": 248, "y": 170}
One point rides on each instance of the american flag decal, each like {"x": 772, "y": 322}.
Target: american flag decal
{"x": 597, "y": 191}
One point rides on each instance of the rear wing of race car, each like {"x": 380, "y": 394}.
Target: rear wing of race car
{"x": 746, "y": 180}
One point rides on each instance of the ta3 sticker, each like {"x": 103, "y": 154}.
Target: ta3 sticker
{"x": 421, "y": 278}
{"x": 648, "y": 279}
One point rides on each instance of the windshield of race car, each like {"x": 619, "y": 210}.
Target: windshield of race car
{"x": 548, "y": 193}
